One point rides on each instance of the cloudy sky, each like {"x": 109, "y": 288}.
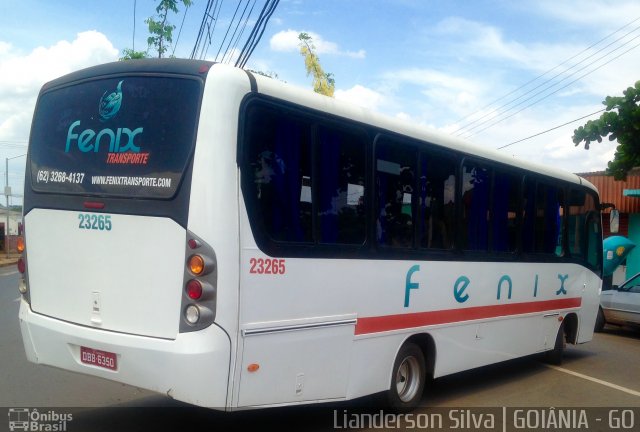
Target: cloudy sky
{"x": 495, "y": 72}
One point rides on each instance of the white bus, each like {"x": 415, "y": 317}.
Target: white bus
{"x": 235, "y": 242}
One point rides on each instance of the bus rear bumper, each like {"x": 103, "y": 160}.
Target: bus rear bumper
{"x": 193, "y": 368}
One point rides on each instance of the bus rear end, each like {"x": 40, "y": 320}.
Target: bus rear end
{"x": 115, "y": 285}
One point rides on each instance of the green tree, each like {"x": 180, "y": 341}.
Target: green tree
{"x": 621, "y": 122}
{"x": 160, "y": 30}
{"x": 323, "y": 83}
{"x": 269, "y": 74}
{"x": 130, "y": 54}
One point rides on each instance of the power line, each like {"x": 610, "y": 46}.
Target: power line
{"x": 555, "y": 91}
{"x": 230, "y": 50}
{"x": 257, "y": 32}
{"x": 493, "y": 121}
{"x": 229, "y": 28}
{"x": 502, "y": 109}
{"x": 549, "y": 130}
{"x": 13, "y": 144}
{"x": 206, "y": 19}
{"x": 133, "y": 39}
{"x": 225, "y": 52}
{"x": 180, "y": 31}
{"x": 545, "y": 73}
{"x": 244, "y": 27}
{"x": 211, "y": 30}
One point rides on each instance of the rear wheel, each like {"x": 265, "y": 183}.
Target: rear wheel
{"x": 555, "y": 355}
{"x": 407, "y": 379}
{"x": 600, "y": 321}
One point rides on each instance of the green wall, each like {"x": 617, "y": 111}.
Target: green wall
{"x": 633, "y": 259}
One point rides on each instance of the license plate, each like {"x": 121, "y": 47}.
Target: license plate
{"x": 103, "y": 359}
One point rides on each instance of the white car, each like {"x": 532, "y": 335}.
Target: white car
{"x": 620, "y": 305}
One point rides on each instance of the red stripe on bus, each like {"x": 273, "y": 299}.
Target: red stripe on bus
{"x": 367, "y": 325}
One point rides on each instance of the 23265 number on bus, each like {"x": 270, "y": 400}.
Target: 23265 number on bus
{"x": 267, "y": 266}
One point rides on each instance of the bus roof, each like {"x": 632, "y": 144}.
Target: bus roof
{"x": 308, "y": 98}
{"x": 138, "y": 66}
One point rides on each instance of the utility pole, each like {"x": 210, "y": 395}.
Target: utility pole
{"x": 7, "y": 193}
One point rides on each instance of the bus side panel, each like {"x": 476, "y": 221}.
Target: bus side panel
{"x": 477, "y": 313}
{"x": 591, "y": 302}
{"x": 294, "y": 327}
{"x": 295, "y": 365}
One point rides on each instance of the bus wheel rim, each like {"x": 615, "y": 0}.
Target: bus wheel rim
{"x": 408, "y": 379}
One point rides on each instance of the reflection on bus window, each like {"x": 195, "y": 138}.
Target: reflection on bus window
{"x": 281, "y": 162}
{"x": 583, "y": 227}
{"x": 542, "y": 218}
{"x": 504, "y": 212}
{"x": 476, "y": 183}
{"x": 395, "y": 186}
{"x": 341, "y": 187}
{"x": 437, "y": 201}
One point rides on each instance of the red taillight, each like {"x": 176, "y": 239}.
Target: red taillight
{"x": 193, "y": 243}
{"x": 194, "y": 289}
{"x": 93, "y": 205}
{"x": 22, "y": 266}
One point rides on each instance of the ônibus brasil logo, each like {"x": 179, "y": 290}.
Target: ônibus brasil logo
{"x": 121, "y": 141}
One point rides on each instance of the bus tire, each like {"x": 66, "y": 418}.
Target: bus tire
{"x": 407, "y": 379}
{"x": 554, "y": 356}
{"x": 600, "y": 321}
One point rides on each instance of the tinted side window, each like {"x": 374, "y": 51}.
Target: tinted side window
{"x": 476, "y": 189}
{"x": 584, "y": 228}
{"x": 396, "y": 168}
{"x": 341, "y": 188}
{"x": 504, "y": 212}
{"x": 437, "y": 200}
{"x": 279, "y": 155}
{"x": 542, "y": 218}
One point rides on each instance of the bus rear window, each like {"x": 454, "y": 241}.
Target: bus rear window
{"x": 124, "y": 136}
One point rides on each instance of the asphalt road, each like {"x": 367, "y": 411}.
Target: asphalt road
{"x": 603, "y": 373}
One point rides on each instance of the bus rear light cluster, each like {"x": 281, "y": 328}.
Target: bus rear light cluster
{"x": 23, "y": 286}
{"x": 200, "y": 279}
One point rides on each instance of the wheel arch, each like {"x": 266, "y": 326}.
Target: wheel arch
{"x": 571, "y": 328}
{"x": 428, "y": 346}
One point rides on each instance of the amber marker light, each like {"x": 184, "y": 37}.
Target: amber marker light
{"x": 20, "y": 244}
{"x": 196, "y": 264}
{"x": 253, "y": 367}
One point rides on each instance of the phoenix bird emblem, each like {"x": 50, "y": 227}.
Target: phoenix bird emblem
{"x": 110, "y": 104}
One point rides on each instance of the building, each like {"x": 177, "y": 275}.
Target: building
{"x": 625, "y": 197}
{"x": 14, "y": 217}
